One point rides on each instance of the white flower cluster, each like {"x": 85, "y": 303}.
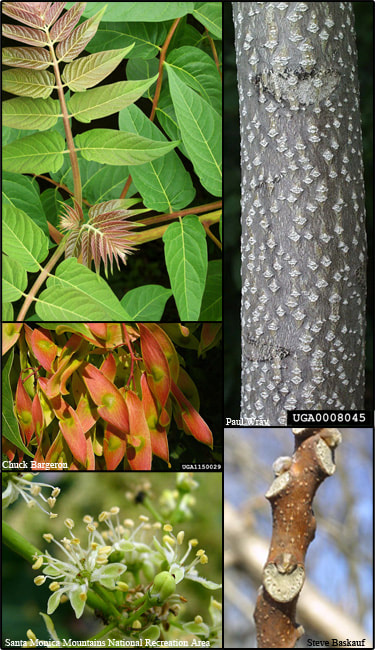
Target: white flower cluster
{"x": 118, "y": 552}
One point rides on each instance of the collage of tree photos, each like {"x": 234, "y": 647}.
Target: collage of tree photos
{"x": 161, "y": 444}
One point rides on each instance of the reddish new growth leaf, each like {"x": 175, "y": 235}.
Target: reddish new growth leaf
{"x": 103, "y": 238}
{"x": 28, "y": 13}
{"x": 25, "y": 34}
{"x": 76, "y": 41}
{"x": 65, "y": 25}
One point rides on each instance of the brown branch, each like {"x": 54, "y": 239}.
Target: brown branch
{"x": 126, "y": 187}
{"x": 211, "y": 235}
{"x": 168, "y": 216}
{"x": 291, "y": 496}
{"x": 163, "y": 53}
{"x": 60, "y": 186}
{"x": 214, "y": 53}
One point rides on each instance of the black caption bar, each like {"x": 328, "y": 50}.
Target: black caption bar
{"x": 339, "y": 418}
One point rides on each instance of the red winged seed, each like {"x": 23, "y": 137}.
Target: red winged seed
{"x": 192, "y": 421}
{"x": 110, "y": 403}
{"x": 139, "y": 454}
{"x": 114, "y": 447}
{"x": 157, "y": 367}
{"x": 11, "y": 334}
{"x": 43, "y": 348}
{"x": 24, "y": 411}
{"x": 159, "y": 439}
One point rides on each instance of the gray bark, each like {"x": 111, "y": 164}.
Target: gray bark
{"x": 303, "y": 216}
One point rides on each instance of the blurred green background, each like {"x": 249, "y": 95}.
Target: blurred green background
{"x": 90, "y": 494}
{"x": 232, "y": 280}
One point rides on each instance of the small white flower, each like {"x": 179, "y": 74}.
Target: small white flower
{"x": 31, "y": 491}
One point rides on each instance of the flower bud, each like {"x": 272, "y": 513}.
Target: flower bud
{"x": 164, "y": 586}
{"x": 38, "y": 562}
{"x": 30, "y": 635}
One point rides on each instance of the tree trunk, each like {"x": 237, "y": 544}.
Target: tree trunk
{"x": 303, "y": 216}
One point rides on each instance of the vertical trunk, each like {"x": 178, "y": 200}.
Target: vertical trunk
{"x": 303, "y": 230}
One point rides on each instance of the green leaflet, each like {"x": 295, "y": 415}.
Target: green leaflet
{"x": 186, "y": 260}
{"x": 75, "y": 293}
{"x": 210, "y": 15}
{"x": 14, "y": 279}
{"x": 10, "y": 429}
{"x": 28, "y": 83}
{"x": 23, "y": 240}
{"x": 164, "y": 184}
{"x": 103, "y": 101}
{"x": 212, "y": 297}
{"x": 23, "y": 193}
{"x": 112, "y": 147}
{"x": 145, "y": 36}
{"x": 146, "y": 303}
{"x": 200, "y": 127}
{"x": 28, "y": 113}
{"x": 198, "y": 70}
{"x": 140, "y": 11}
{"x": 35, "y": 154}
{"x": 90, "y": 70}
{"x": 7, "y": 311}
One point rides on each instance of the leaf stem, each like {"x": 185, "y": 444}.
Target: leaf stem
{"x": 163, "y": 53}
{"x": 181, "y": 213}
{"x": 214, "y": 52}
{"x": 103, "y": 595}
{"x": 68, "y": 131}
{"x": 40, "y": 279}
{"x": 60, "y": 186}
{"x": 212, "y": 236}
{"x": 155, "y": 233}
